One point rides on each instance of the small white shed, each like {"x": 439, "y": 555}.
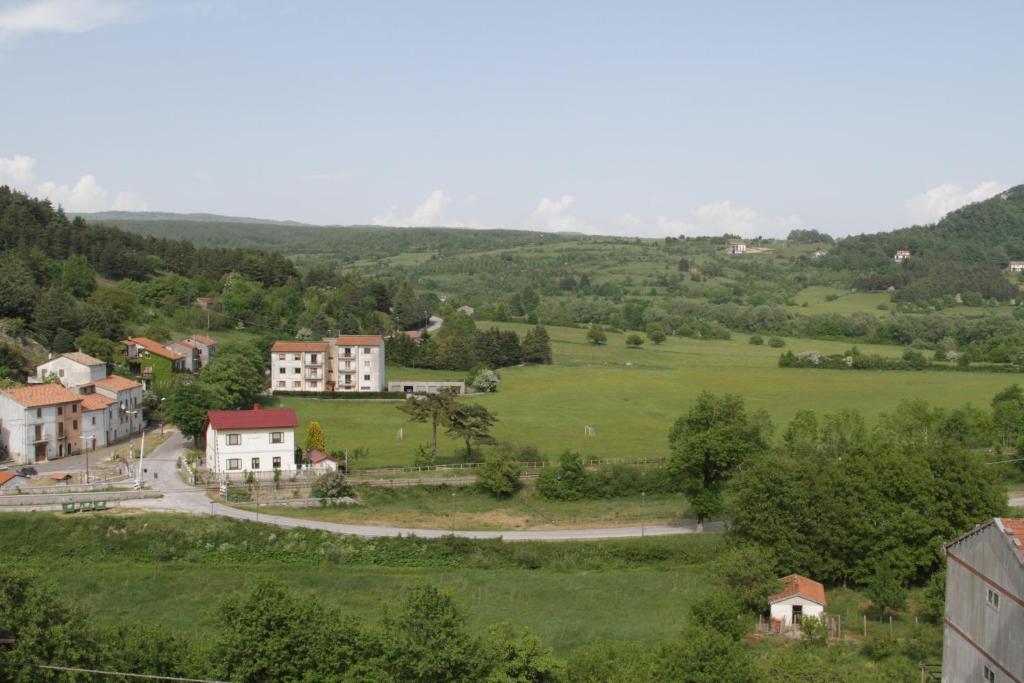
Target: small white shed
{"x": 322, "y": 463}
{"x": 801, "y": 597}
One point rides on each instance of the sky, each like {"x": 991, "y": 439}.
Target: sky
{"x": 629, "y": 118}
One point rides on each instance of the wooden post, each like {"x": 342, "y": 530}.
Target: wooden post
{"x": 865, "y": 625}
{"x": 890, "y": 626}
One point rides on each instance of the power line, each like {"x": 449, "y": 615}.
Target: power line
{"x": 125, "y": 674}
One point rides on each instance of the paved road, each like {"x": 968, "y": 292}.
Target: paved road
{"x": 1017, "y": 502}
{"x": 161, "y": 472}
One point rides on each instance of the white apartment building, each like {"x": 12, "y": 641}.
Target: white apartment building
{"x": 901, "y": 256}
{"x": 188, "y": 351}
{"x": 72, "y": 369}
{"x": 243, "y": 441}
{"x": 358, "y": 363}
{"x": 40, "y": 422}
{"x": 299, "y": 366}
{"x": 346, "y": 363}
{"x": 207, "y": 347}
{"x": 126, "y": 417}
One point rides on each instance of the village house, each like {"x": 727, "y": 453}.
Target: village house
{"x": 12, "y": 480}
{"x": 346, "y": 363}
{"x": 188, "y": 351}
{"x": 204, "y": 302}
{"x": 819, "y": 253}
{"x": 736, "y": 247}
{"x": 321, "y": 463}
{"x": 151, "y": 361}
{"x": 983, "y": 638}
{"x": 901, "y": 256}
{"x": 801, "y": 597}
{"x": 425, "y": 386}
{"x": 1017, "y": 266}
{"x": 72, "y": 369}
{"x": 257, "y": 441}
{"x": 40, "y": 422}
{"x": 125, "y": 415}
{"x": 207, "y": 348}
{"x": 466, "y": 310}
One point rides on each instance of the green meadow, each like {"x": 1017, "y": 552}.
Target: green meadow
{"x": 631, "y": 396}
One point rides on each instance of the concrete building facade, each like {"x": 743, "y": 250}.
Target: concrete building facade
{"x": 345, "y": 363}
{"x": 983, "y": 635}
{"x": 40, "y": 422}
{"x": 257, "y": 441}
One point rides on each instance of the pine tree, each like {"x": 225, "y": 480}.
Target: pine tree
{"x": 315, "y": 440}
{"x": 536, "y": 347}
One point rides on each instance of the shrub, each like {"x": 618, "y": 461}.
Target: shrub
{"x": 486, "y": 381}
{"x": 330, "y": 485}
{"x": 634, "y": 340}
{"x": 756, "y": 340}
{"x": 499, "y": 475}
{"x": 238, "y": 496}
{"x": 831, "y": 297}
{"x": 776, "y": 342}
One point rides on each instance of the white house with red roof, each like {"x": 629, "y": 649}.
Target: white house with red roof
{"x": 189, "y": 352}
{"x": 40, "y": 422}
{"x": 321, "y": 463}
{"x": 800, "y": 597}
{"x": 243, "y": 441}
{"x": 983, "y": 636}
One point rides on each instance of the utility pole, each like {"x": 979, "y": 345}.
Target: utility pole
{"x": 643, "y": 509}
{"x": 142, "y": 450}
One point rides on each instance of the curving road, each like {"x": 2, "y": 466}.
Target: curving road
{"x": 161, "y": 473}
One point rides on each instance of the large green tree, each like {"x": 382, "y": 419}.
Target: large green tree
{"x": 471, "y": 422}
{"x": 708, "y": 443}
{"x": 434, "y": 409}
{"x": 187, "y": 405}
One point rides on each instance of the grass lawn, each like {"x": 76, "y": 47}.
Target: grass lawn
{"x": 847, "y": 303}
{"x": 632, "y": 396}
{"x": 443, "y": 507}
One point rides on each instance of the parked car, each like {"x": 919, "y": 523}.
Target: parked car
{"x": 28, "y": 472}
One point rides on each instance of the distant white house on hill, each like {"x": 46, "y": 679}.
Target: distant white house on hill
{"x": 901, "y": 255}
{"x": 466, "y": 310}
{"x": 819, "y": 253}
{"x": 1016, "y": 266}
{"x": 736, "y": 247}
{"x": 73, "y": 369}
{"x": 801, "y": 597}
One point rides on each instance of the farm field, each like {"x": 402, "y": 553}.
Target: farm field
{"x": 847, "y": 303}
{"x": 462, "y": 507}
{"x": 632, "y": 396}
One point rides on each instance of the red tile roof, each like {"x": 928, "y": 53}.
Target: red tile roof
{"x": 7, "y": 476}
{"x": 182, "y": 342}
{"x": 253, "y": 419}
{"x": 802, "y": 586}
{"x": 299, "y": 347}
{"x": 1014, "y": 529}
{"x": 316, "y": 457}
{"x": 153, "y": 347}
{"x": 95, "y": 402}
{"x": 116, "y": 383}
{"x": 38, "y": 395}
{"x": 360, "y": 340}
{"x": 413, "y": 334}
{"x": 205, "y": 341}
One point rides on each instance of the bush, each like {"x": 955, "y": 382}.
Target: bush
{"x": 330, "y": 485}
{"x": 831, "y": 297}
{"x": 486, "y": 381}
{"x": 756, "y": 340}
{"x": 776, "y": 342}
{"x": 634, "y": 340}
{"x": 238, "y": 496}
{"x": 499, "y": 476}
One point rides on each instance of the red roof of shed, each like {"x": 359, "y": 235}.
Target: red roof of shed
{"x": 253, "y": 419}
{"x": 802, "y": 586}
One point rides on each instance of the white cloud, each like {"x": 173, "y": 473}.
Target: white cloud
{"x": 431, "y": 213}
{"x": 17, "y": 170}
{"x": 85, "y": 195}
{"x": 715, "y": 219}
{"x": 932, "y": 205}
{"x": 61, "y": 16}
{"x": 554, "y": 214}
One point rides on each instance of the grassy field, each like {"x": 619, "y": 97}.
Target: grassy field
{"x": 444, "y": 507}
{"x": 847, "y": 303}
{"x": 632, "y": 396}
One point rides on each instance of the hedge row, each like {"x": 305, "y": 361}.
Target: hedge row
{"x": 351, "y": 395}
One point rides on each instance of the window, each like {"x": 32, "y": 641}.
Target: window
{"x": 39, "y": 412}
{"x": 312, "y": 358}
{"x": 94, "y": 420}
{"x": 234, "y": 463}
{"x": 74, "y": 407}
{"x": 989, "y": 675}
{"x": 296, "y": 370}
{"x": 296, "y": 384}
{"x": 297, "y": 356}
{"x": 74, "y": 424}
{"x": 60, "y": 410}
{"x": 367, "y": 349}
{"x": 280, "y": 371}
{"x": 277, "y": 463}
{"x": 366, "y": 378}
{"x": 255, "y": 463}
{"x": 276, "y": 437}
{"x": 60, "y": 373}
{"x": 234, "y": 439}
{"x": 993, "y": 599}
{"x": 281, "y": 383}
{"x": 280, "y": 356}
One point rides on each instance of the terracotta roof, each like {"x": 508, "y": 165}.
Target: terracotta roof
{"x": 116, "y": 383}
{"x": 802, "y": 586}
{"x": 299, "y": 347}
{"x": 82, "y": 358}
{"x": 7, "y": 476}
{"x": 38, "y": 395}
{"x": 316, "y": 457}
{"x": 182, "y": 342}
{"x": 1014, "y": 530}
{"x": 253, "y": 419}
{"x": 205, "y": 341}
{"x": 153, "y": 347}
{"x": 95, "y": 402}
{"x": 413, "y": 334}
{"x": 360, "y": 340}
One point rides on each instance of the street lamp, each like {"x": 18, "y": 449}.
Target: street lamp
{"x": 93, "y": 437}
{"x": 142, "y": 448}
